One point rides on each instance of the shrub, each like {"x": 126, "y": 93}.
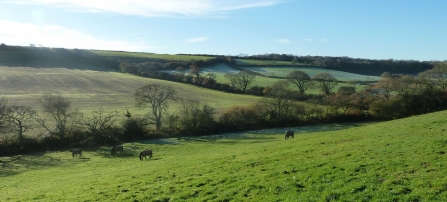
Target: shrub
{"x": 239, "y": 118}
{"x": 133, "y": 129}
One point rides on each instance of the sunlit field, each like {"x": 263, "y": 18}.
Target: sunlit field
{"x": 311, "y": 71}
{"x": 349, "y": 162}
{"x": 222, "y": 69}
{"x": 90, "y": 90}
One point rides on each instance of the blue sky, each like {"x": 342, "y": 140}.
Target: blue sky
{"x": 374, "y": 29}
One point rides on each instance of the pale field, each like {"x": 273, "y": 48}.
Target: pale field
{"x": 89, "y": 90}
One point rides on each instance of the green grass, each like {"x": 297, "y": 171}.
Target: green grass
{"x": 221, "y": 70}
{"x": 263, "y": 62}
{"x": 400, "y": 160}
{"x": 311, "y": 71}
{"x": 150, "y": 55}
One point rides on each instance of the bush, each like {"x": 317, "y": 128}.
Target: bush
{"x": 239, "y": 118}
{"x": 133, "y": 129}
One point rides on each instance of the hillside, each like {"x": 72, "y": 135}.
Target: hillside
{"x": 91, "y": 89}
{"x": 353, "y": 162}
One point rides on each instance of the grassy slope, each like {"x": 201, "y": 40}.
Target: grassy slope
{"x": 311, "y": 71}
{"x": 221, "y": 69}
{"x": 92, "y": 89}
{"x": 401, "y": 160}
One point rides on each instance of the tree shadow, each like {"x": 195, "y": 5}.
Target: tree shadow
{"x": 262, "y": 135}
{"x": 14, "y": 165}
{"x": 159, "y": 141}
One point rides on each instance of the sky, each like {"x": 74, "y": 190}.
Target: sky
{"x": 372, "y": 29}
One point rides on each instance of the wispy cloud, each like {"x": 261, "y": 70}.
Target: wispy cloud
{"x": 195, "y": 40}
{"x": 56, "y": 36}
{"x": 284, "y": 41}
{"x": 152, "y": 8}
{"x": 308, "y": 40}
{"x": 324, "y": 40}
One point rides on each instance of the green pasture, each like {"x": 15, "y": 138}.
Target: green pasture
{"x": 149, "y": 55}
{"x": 311, "y": 71}
{"x": 263, "y": 62}
{"x": 221, "y": 69}
{"x": 400, "y": 160}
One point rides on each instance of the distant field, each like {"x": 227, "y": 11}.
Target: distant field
{"x": 89, "y": 89}
{"x": 221, "y": 69}
{"x": 263, "y": 62}
{"x": 150, "y": 55}
{"x": 311, "y": 71}
{"x": 349, "y": 162}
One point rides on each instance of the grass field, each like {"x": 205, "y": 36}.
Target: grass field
{"x": 221, "y": 69}
{"x": 89, "y": 89}
{"x": 353, "y": 162}
{"x": 311, "y": 71}
{"x": 263, "y": 62}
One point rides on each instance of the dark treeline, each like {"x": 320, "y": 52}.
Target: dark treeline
{"x": 52, "y": 57}
{"x": 353, "y": 65}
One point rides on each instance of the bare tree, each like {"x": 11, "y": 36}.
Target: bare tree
{"x": 22, "y": 119}
{"x": 3, "y": 115}
{"x": 300, "y": 79}
{"x": 245, "y": 79}
{"x": 56, "y": 107}
{"x": 326, "y": 82}
{"x": 241, "y": 80}
{"x": 156, "y": 97}
{"x": 99, "y": 124}
{"x": 232, "y": 78}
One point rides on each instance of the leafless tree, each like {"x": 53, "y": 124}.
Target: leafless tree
{"x": 99, "y": 124}
{"x": 156, "y": 97}
{"x": 301, "y": 80}
{"x": 326, "y": 82}
{"x": 22, "y": 119}
{"x": 3, "y": 115}
{"x": 241, "y": 80}
{"x": 56, "y": 108}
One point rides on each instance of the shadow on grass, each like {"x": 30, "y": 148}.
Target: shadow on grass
{"x": 152, "y": 159}
{"x": 256, "y": 135}
{"x": 159, "y": 141}
{"x": 14, "y": 165}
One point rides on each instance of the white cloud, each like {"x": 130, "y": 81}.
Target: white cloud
{"x": 324, "y": 40}
{"x": 284, "y": 41}
{"x": 25, "y": 34}
{"x": 195, "y": 40}
{"x": 151, "y": 8}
